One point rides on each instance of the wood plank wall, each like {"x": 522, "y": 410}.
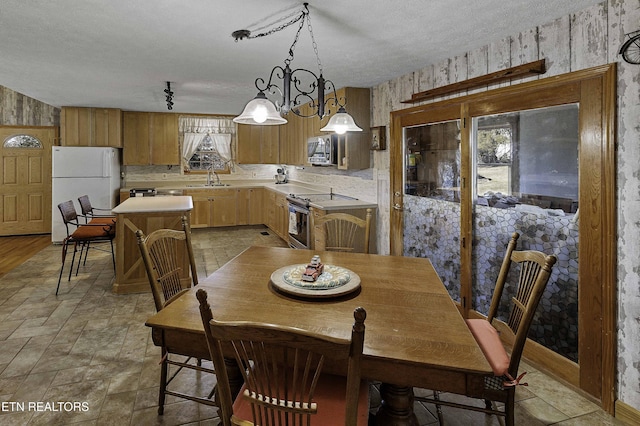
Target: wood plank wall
{"x": 17, "y": 109}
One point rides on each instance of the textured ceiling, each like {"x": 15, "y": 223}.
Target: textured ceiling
{"x": 120, "y": 53}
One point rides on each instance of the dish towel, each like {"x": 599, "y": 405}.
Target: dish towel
{"x": 293, "y": 222}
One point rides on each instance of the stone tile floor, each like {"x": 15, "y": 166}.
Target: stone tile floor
{"x": 90, "y": 347}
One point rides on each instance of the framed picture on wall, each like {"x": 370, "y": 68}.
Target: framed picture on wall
{"x": 378, "y": 138}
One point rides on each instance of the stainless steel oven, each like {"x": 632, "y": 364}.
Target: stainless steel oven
{"x": 299, "y": 232}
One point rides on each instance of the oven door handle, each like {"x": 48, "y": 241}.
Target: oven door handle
{"x": 298, "y": 209}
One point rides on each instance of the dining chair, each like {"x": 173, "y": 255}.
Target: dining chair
{"x": 163, "y": 253}
{"x": 282, "y": 368}
{"x": 340, "y": 230}
{"x": 94, "y": 213}
{"x": 534, "y": 271}
{"x": 82, "y": 234}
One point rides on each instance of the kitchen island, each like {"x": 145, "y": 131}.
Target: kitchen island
{"x": 147, "y": 214}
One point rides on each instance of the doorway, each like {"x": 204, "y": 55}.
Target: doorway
{"x": 25, "y": 179}
{"x": 451, "y": 218}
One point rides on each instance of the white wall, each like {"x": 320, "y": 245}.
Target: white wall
{"x": 583, "y": 40}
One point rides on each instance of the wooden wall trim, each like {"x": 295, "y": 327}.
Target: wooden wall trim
{"x": 626, "y": 413}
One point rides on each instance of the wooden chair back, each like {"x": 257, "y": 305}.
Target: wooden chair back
{"x": 282, "y": 366}
{"x": 340, "y": 231}
{"x": 162, "y": 252}
{"x": 535, "y": 270}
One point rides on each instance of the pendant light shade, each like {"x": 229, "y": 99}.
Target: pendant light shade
{"x": 340, "y": 123}
{"x": 261, "y": 111}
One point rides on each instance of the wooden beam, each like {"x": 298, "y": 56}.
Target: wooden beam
{"x": 536, "y": 67}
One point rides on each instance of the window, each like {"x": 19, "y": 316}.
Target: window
{"x": 22, "y": 141}
{"x": 528, "y": 158}
{"x": 432, "y": 161}
{"x": 206, "y": 157}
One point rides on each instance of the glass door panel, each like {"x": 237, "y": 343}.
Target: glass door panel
{"x": 432, "y": 198}
{"x": 526, "y": 181}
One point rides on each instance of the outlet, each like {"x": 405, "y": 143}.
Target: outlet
{"x": 254, "y": 174}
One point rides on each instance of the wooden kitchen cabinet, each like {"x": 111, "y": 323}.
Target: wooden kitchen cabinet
{"x": 212, "y": 207}
{"x": 293, "y": 142}
{"x": 100, "y": 127}
{"x": 353, "y": 147}
{"x": 278, "y": 214}
{"x": 150, "y": 138}
{"x": 258, "y": 144}
{"x": 249, "y": 206}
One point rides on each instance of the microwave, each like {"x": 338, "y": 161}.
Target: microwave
{"x": 322, "y": 150}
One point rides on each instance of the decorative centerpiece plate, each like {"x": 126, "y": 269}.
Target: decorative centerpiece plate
{"x": 334, "y": 281}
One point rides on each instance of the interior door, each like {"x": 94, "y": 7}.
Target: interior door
{"x": 25, "y": 179}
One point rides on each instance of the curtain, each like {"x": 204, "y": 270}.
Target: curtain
{"x": 206, "y": 125}
{"x": 222, "y": 144}
{"x": 190, "y": 145}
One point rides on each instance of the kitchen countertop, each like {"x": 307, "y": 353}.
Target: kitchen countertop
{"x": 177, "y": 203}
{"x": 285, "y": 188}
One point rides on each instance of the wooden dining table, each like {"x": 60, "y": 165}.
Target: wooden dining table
{"x": 415, "y": 335}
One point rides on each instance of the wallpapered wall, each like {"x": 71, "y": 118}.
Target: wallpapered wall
{"x": 582, "y": 40}
{"x": 17, "y": 109}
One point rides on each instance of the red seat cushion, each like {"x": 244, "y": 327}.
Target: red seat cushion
{"x": 90, "y": 232}
{"x": 492, "y": 348}
{"x": 330, "y": 398}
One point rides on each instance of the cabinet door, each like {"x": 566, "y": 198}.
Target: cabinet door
{"x": 223, "y": 207}
{"x": 135, "y": 139}
{"x": 256, "y": 206}
{"x": 249, "y": 139}
{"x": 282, "y": 216}
{"x": 243, "y": 206}
{"x": 163, "y": 143}
{"x": 201, "y": 213}
{"x": 293, "y": 142}
{"x": 270, "y": 145}
{"x": 107, "y": 127}
{"x": 258, "y": 144}
{"x": 75, "y": 126}
{"x": 270, "y": 213}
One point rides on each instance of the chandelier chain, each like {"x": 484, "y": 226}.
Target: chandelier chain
{"x": 279, "y": 27}
{"x": 313, "y": 41}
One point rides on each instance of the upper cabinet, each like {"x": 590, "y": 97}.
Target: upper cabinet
{"x": 91, "y": 127}
{"x": 287, "y": 144}
{"x": 353, "y": 147}
{"x": 258, "y": 144}
{"x": 150, "y": 138}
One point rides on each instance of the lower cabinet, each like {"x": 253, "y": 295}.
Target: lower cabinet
{"x": 277, "y": 214}
{"x": 250, "y": 206}
{"x": 215, "y": 207}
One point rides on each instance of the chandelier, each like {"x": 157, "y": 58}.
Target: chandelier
{"x": 295, "y": 87}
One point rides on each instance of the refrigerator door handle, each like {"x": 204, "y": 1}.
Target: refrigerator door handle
{"x": 106, "y": 164}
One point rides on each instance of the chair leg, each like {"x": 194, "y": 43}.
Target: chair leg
{"x": 436, "y": 396}
{"x": 64, "y": 256}
{"x": 80, "y": 259}
{"x": 73, "y": 259}
{"x": 113, "y": 256}
{"x": 163, "y": 381}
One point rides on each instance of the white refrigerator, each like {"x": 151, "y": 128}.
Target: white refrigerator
{"x": 78, "y": 171}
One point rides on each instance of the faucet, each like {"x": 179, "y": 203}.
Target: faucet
{"x": 210, "y": 175}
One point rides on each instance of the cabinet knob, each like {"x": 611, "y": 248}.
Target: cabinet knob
{"x": 397, "y": 206}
